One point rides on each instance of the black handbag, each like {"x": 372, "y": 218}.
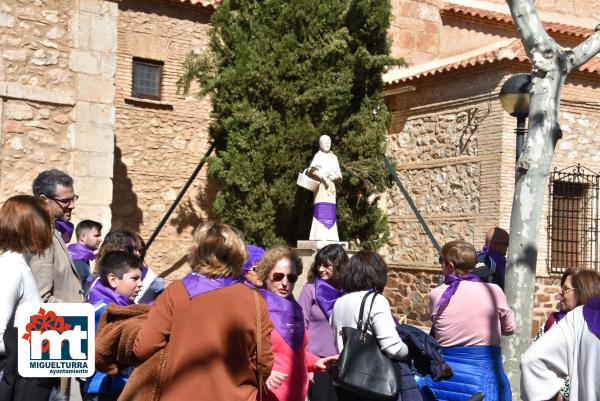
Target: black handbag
{"x": 362, "y": 367}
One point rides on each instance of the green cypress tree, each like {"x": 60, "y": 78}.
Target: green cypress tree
{"x": 282, "y": 73}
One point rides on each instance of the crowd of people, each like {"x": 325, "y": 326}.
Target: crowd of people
{"x": 232, "y": 329}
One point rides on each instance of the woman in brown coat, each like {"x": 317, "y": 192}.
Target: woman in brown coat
{"x": 208, "y": 324}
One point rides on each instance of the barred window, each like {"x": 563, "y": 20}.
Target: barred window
{"x": 573, "y": 219}
{"x": 147, "y": 79}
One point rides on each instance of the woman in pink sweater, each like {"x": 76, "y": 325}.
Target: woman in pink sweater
{"x": 469, "y": 317}
{"x": 279, "y": 270}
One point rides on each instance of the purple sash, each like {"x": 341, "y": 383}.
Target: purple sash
{"x": 103, "y": 294}
{"x": 198, "y": 284}
{"x": 326, "y": 295}
{"x": 81, "y": 252}
{"x": 324, "y": 212}
{"x": 65, "y": 228}
{"x": 591, "y": 314}
{"x": 286, "y": 315}
{"x": 453, "y": 281}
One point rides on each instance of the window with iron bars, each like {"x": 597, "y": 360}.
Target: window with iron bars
{"x": 573, "y": 219}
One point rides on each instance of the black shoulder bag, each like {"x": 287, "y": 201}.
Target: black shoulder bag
{"x": 362, "y": 367}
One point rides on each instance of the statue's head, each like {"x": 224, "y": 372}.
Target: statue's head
{"x": 325, "y": 143}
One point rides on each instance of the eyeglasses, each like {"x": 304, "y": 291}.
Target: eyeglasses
{"x": 564, "y": 290}
{"x": 292, "y": 278}
{"x": 65, "y": 202}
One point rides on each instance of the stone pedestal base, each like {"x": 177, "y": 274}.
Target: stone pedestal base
{"x": 316, "y": 245}
{"x": 307, "y": 251}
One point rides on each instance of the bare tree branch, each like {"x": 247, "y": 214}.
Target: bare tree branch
{"x": 540, "y": 47}
{"x": 584, "y": 51}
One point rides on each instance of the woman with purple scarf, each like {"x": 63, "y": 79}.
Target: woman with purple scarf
{"x": 571, "y": 349}
{"x": 317, "y": 299}
{"x": 279, "y": 270}
{"x": 577, "y": 287}
{"x": 469, "y": 317}
{"x": 209, "y": 323}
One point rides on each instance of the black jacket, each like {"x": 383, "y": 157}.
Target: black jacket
{"x": 425, "y": 357}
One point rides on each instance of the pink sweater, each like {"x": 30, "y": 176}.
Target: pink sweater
{"x": 478, "y": 314}
{"x": 296, "y": 365}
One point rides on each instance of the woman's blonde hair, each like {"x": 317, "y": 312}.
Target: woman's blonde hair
{"x": 272, "y": 256}
{"x": 218, "y": 250}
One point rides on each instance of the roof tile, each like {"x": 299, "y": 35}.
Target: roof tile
{"x": 552, "y": 27}
{"x": 506, "y": 49}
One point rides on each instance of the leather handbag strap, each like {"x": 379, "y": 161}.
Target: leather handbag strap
{"x": 362, "y": 323}
{"x": 359, "y": 325}
{"x": 258, "y": 346}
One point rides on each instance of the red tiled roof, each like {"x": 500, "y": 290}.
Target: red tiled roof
{"x": 551, "y": 27}
{"x": 506, "y": 49}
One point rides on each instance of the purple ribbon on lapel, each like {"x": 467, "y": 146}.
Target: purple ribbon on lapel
{"x": 198, "y": 284}
{"x": 453, "y": 281}
{"x": 591, "y": 314}
{"x": 286, "y": 315}
{"x": 324, "y": 212}
{"x": 326, "y": 295}
{"x": 81, "y": 252}
{"x": 100, "y": 293}
{"x": 65, "y": 228}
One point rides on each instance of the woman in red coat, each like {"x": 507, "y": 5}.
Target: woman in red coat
{"x": 279, "y": 269}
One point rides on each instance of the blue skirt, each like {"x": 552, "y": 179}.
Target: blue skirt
{"x": 475, "y": 369}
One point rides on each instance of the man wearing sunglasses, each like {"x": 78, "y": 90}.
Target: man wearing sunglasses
{"x": 55, "y": 274}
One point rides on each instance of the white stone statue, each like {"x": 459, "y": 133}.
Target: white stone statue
{"x": 325, "y": 169}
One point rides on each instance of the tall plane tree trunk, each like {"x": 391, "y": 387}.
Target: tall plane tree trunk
{"x": 551, "y": 65}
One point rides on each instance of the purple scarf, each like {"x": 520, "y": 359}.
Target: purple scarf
{"x": 324, "y": 212}
{"x": 198, "y": 284}
{"x": 65, "y": 228}
{"x": 453, "y": 281}
{"x": 81, "y": 252}
{"x": 286, "y": 315}
{"x": 103, "y": 294}
{"x": 326, "y": 295}
{"x": 591, "y": 314}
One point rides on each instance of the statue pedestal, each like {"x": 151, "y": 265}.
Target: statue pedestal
{"x": 307, "y": 251}
{"x": 316, "y": 245}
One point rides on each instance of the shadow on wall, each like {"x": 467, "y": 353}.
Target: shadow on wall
{"x": 191, "y": 213}
{"x": 126, "y": 213}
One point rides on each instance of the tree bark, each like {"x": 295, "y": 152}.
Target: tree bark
{"x": 551, "y": 65}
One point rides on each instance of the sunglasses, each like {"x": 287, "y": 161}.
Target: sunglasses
{"x": 292, "y": 278}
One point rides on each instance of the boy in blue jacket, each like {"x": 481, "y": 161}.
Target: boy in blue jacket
{"x": 119, "y": 283}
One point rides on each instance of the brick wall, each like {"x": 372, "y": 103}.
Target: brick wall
{"x": 415, "y": 29}
{"x": 158, "y": 144}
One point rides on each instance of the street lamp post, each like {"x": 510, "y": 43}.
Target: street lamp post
{"x": 514, "y": 96}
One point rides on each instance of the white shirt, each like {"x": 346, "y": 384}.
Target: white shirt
{"x": 345, "y": 313}
{"x": 570, "y": 349}
{"x": 17, "y": 287}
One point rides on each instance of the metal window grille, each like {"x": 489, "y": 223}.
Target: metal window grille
{"x": 573, "y": 219}
{"x": 147, "y": 79}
